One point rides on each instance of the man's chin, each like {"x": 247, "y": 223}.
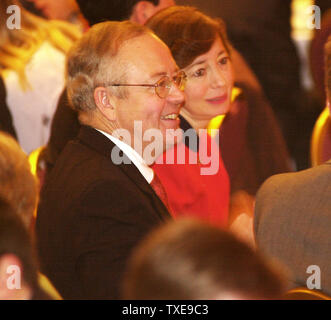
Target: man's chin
{"x": 160, "y": 143}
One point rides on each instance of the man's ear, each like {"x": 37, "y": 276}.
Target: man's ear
{"x": 142, "y": 11}
{"x": 105, "y": 103}
{"x": 12, "y": 286}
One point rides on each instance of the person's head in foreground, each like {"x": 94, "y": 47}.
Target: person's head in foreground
{"x": 18, "y": 185}
{"x": 200, "y": 47}
{"x": 18, "y": 267}
{"x": 121, "y": 75}
{"x": 187, "y": 259}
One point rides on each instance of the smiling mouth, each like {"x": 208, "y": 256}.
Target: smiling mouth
{"x": 218, "y": 100}
{"x": 172, "y": 116}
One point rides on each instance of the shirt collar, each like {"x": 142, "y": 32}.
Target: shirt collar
{"x": 134, "y": 156}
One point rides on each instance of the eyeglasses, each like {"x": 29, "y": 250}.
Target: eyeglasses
{"x": 162, "y": 86}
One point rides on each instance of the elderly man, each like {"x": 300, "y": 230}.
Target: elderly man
{"x": 293, "y": 218}
{"x": 93, "y": 211}
{"x": 65, "y": 124}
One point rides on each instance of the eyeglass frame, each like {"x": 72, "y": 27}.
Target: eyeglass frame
{"x": 180, "y": 86}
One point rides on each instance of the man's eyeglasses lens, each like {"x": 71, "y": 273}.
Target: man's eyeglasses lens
{"x": 163, "y": 86}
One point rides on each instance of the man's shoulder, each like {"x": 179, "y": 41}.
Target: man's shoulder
{"x": 84, "y": 166}
{"x": 79, "y": 162}
{"x": 292, "y": 196}
{"x": 85, "y": 183}
{"x": 294, "y": 181}
{"x": 299, "y": 194}
{"x": 89, "y": 152}
{"x": 81, "y": 168}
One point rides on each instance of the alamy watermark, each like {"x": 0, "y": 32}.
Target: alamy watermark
{"x": 151, "y": 143}
{"x": 14, "y": 20}
{"x": 314, "y": 281}
{"x": 314, "y": 19}
{"x": 313, "y": 22}
{"x": 14, "y": 279}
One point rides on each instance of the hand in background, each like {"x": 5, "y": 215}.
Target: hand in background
{"x": 241, "y": 217}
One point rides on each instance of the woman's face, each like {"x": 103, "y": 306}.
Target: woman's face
{"x": 209, "y": 85}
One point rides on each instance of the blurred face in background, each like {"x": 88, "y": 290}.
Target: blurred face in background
{"x": 56, "y": 9}
{"x": 164, "y": 4}
{"x": 143, "y": 10}
{"x": 209, "y": 86}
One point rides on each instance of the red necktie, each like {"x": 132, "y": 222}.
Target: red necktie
{"x": 160, "y": 191}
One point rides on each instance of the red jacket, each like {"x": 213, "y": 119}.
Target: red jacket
{"x": 191, "y": 193}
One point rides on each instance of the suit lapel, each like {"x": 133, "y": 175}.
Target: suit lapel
{"x": 137, "y": 178}
{"x": 100, "y": 143}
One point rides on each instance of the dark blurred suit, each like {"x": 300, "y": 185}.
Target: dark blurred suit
{"x": 6, "y": 120}
{"x": 91, "y": 214}
{"x": 293, "y": 221}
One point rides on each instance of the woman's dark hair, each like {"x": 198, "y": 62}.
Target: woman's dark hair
{"x": 187, "y": 32}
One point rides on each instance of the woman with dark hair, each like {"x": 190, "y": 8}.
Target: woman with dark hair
{"x": 251, "y": 142}
{"x": 200, "y": 48}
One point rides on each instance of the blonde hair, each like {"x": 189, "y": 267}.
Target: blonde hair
{"x": 17, "y": 46}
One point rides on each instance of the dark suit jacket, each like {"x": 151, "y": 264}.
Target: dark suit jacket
{"x": 292, "y": 222}
{"x": 65, "y": 127}
{"x": 91, "y": 214}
